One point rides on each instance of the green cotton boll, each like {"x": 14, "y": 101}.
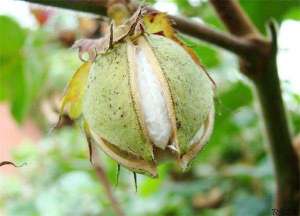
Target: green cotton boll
{"x": 146, "y": 100}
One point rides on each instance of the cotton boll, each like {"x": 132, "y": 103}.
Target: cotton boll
{"x": 153, "y": 102}
{"x": 205, "y": 130}
{"x": 198, "y": 135}
{"x": 141, "y": 109}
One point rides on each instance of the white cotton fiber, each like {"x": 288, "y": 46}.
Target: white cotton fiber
{"x": 153, "y": 102}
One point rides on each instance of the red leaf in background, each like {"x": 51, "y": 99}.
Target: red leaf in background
{"x": 41, "y": 15}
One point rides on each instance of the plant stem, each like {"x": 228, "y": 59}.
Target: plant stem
{"x": 108, "y": 189}
{"x": 200, "y": 31}
{"x": 100, "y": 172}
{"x": 262, "y": 69}
{"x": 234, "y": 17}
{"x": 276, "y": 124}
{"x": 231, "y": 43}
{"x": 102, "y": 176}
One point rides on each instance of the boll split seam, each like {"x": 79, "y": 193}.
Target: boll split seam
{"x": 143, "y": 96}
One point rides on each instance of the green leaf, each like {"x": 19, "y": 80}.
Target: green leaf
{"x": 12, "y": 37}
{"x": 12, "y": 73}
{"x": 237, "y": 96}
{"x": 293, "y": 13}
{"x": 19, "y": 100}
{"x": 202, "y": 10}
{"x": 151, "y": 186}
{"x": 208, "y": 56}
{"x": 36, "y": 64}
{"x": 13, "y": 86}
{"x": 22, "y": 66}
{"x": 223, "y": 140}
{"x": 262, "y": 11}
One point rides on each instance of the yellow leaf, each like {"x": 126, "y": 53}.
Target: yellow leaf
{"x": 75, "y": 91}
{"x": 159, "y": 23}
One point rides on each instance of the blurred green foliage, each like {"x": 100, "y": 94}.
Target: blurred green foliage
{"x": 23, "y": 66}
{"x": 58, "y": 179}
{"x": 209, "y": 56}
{"x": 12, "y": 75}
{"x": 262, "y": 11}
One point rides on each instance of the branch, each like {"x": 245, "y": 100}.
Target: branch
{"x": 90, "y": 6}
{"x": 102, "y": 176}
{"x": 232, "y": 15}
{"x": 231, "y": 43}
{"x": 276, "y": 124}
{"x": 235, "y": 45}
{"x": 262, "y": 69}
{"x": 108, "y": 189}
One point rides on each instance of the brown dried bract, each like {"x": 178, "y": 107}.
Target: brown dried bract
{"x": 133, "y": 26}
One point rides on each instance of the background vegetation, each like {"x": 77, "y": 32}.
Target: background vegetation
{"x": 231, "y": 176}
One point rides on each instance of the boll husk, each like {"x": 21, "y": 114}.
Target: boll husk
{"x": 146, "y": 100}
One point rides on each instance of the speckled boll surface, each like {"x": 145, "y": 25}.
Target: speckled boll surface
{"x": 190, "y": 88}
{"x": 108, "y": 104}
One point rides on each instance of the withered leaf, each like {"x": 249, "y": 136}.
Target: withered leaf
{"x": 115, "y": 35}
